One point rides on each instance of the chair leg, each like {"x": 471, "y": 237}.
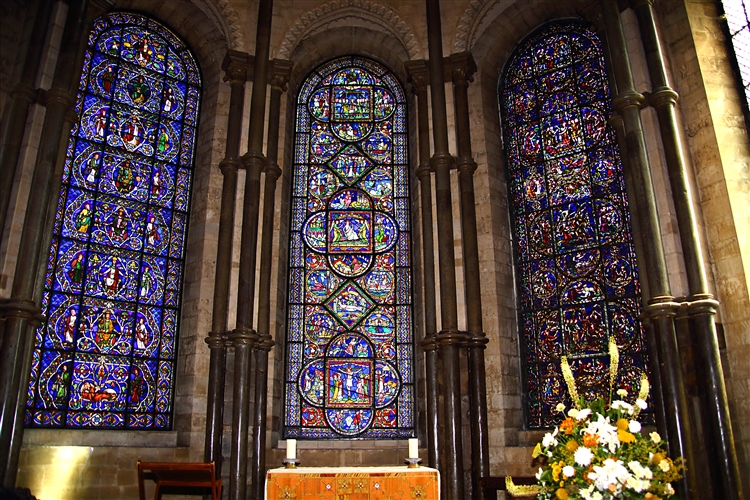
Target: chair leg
{"x": 157, "y": 494}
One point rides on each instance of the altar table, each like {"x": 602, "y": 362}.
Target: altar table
{"x": 353, "y": 483}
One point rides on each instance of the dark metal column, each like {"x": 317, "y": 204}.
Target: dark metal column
{"x": 244, "y": 337}
{"x": 462, "y": 69}
{"x": 702, "y": 308}
{"x": 22, "y": 308}
{"x": 22, "y": 95}
{"x": 449, "y": 338}
{"x": 420, "y": 80}
{"x": 280, "y": 76}
{"x": 660, "y": 308}
{"x": 235, "y": 68}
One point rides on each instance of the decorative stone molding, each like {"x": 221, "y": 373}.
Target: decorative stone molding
{"x": 319, "y": 18}
{"x": 474, "y": 20}
{"x": 226, "y": 17}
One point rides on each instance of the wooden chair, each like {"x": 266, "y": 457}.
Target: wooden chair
{"x": 179, "y": 474}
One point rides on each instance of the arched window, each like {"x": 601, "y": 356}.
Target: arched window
{"x": 349, "y": 350}
{"x": 575, "y": 261}
{"x": 105, "y": 358}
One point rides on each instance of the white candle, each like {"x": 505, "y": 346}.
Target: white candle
{"x": 413, "y": 448}
{"x": 291, "y": 449}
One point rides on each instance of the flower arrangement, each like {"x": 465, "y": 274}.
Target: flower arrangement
{"x": 598, "y": 451}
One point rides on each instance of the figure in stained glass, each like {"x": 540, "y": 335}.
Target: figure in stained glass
{"x": 139, "y": 90}
{"x": 107, "y": 78}
{"x": 60, "y": 382}
{"x": 142, "y": 337}
{"x": 100, "y": 122}
{"x": 75, "y": 269}
{"x": 69, "y": 325}
{"x": 105, "y": 330}
{"x": 169, "y": 100}
{"x": 92, "y": 166}
{"x": 147, "y": 283}
{"x": 83, "y": 219}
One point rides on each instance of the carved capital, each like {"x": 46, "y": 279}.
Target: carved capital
{"x": 419, "y": 75}
{"x": 235, "y": 66}
{"x": 281, "y": 71}
{"x": 462, "y": 68}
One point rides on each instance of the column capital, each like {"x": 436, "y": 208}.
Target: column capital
{"x": 243, "y": 337}
{"x": 264, "y": 343}
{"x": 235, "y": 65}
{"x": 466, "y": 165}
{"x": 429, "y": 343}
{"x": 462, "y": 67}
{"x": 281, "y": 71}
{"x": 229, "y": 164}
{"x": 19, "y": 308}
{"x": 664, "y": 305}
{"x": 254, "y": 159}
{"x": 628, "y": 99}
{"x": 216, "y": 340}
{"x": 663, "y": 96}
{"x": 59, "y": 96}
{"x": 476, "y": 339}
{"x": 438, "y": 160}
{"x": 23, "y": 91}
{"x": 272, "y": 169}
{"x": 450, "y": 336}
{"x": 419, "y": 74}
{"x": 423, "y": 170}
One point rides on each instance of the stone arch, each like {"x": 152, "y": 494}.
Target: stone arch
{"x": 346, "y": 13}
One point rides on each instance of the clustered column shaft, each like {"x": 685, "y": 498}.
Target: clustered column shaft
{"x": 661, "y": 308}
{"x": 23, "y": 308}
{"x": 701, "y": 306}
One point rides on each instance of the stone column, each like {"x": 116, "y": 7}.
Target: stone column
{"x": 462, "y": 69}
{"x": 420, "y": 79}
{"x": 244, "y": 337}
{"x": 22, "y": 95}
{"x": 235, "y": 69}
{"x": 701, "y": 306}
{"x": 449, "y": 339}
{"x": 280, "y": 76}
{"x": 22, "y": 309}
{"x": 660, "y": 306}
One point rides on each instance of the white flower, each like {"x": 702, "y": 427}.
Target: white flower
{"x": 560, "y": 407}
{"x": 549, "y": 440}
{"x": 568, "y": 471}
{"x": 664, "y": 465}
{"x": 670, "y": 490}
{"x": 634, "y": 426}
{"x": 637, "y": 485}
{"x": 610, "y": 473}
{"x": 622, "y": 405}
{"x": 583, "y": 456}
{"x": 573, "y": 413}
{"x": 640, "y": 471}
{"x": 641, "y": 404}
{"x": 583, "y": 414}
{"x": 538, "y": 474}
{"x": 655, "y": 437}
{"x": 622, "y": 393}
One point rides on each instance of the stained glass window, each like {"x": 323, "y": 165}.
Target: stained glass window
{"x": 576, "y": 271}
{"x": 349, "y": 350}
{"x": 105, "y": 356}
{"x": 737, "y": 15}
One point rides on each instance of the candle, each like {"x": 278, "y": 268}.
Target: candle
{"x": 413, "y": 448}
{"x": 291, "y": 449}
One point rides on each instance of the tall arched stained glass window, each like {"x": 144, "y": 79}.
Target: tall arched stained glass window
{"x": 105, "y": 357}
{"x": 349, "y": 349}
{"x": 576, "y": 271}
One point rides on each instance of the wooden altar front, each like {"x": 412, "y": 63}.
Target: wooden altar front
{"x": 353, "y": 483}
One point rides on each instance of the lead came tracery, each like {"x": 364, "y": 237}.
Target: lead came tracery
{"x": 577, "y": 274}
{"x": 349, "y": 340}
{"x": 105, "y": 357}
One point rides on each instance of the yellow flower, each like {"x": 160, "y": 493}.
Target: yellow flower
{"x": 625, "y": 436}
{"x": 556, "y": 469}
{"x": 562, "y": 494}
{"x": 571, "y": 446}
{"x": 658, "y": 457}
{"x": 622, "y": 424}
{"x": 537, "y": 450}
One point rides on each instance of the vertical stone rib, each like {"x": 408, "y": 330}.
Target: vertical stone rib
{"x": 449, "y": 338}
{"x": 702, "y": 308}
{"x": 244, "y": 337}
{"x": 660, "y": 308}
{"x": 22, "y": 308}
{"x": 235, "y": 68}
{"x": 22, "y": 94}
{"x": 463, "y": 67}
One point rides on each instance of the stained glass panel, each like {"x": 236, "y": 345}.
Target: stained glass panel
{"x": 105, "y": 356}
{"x": 577, "y": 274}
{"x": 349, "y": 340}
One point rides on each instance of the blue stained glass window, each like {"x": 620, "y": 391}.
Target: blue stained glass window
{"x": 349, "y": 352}
{"x": 577, "y": 279}
{"x": 105, "y": 357}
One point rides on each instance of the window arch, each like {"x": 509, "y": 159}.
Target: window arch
{"x": 105, "y": 357}
{"x": 349, "y": 349}
{"x": 577, "y": 279}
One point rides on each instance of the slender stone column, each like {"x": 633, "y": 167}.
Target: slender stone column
{"x": 21, "y": 309}
{"x": 235, "y": 68}
{"x": 462, "y": 69}
{"x": 279, "y": 78}
{"x": 22, "y": 95}
{"x": 420, "y": 79}
{"x": 244, "y": 337}
{"x": 702, "y": 308}
{"x": 449, "y": 338}
{"x": 660, "y": 308}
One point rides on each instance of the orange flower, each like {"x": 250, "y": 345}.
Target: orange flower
{"x": 625, "y": 436}
{"x": 658, "y": 457}
{"x": 590, "y": 440}
{"x": 561, "y": 494}
{"x": 567, "y": 425}
{"x": 571, "y": 446}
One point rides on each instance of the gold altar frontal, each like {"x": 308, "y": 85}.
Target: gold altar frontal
{"x": 353, "y": 483}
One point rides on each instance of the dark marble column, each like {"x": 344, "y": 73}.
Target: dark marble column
{"x": 660, "y": 306}
{"x": 22, "y": 309}
{"x": 449, "y": 338}
{"x": 462, "y": 69}
{"x": 279, "y": 77}
{"x": 235, "y": 69}
{"x": 244, "y": 337}
{"x": 21, "y": 95}
{"x": 420, "y": 79}
{"x": 701, "y": 306}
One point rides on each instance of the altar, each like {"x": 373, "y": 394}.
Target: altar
{"x": 353, "y": 483}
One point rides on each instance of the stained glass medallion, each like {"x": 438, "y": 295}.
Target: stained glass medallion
{"x": 349, "y": 340}
{"x": 577, "y": 274}
{"x": 105, "y": 356}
